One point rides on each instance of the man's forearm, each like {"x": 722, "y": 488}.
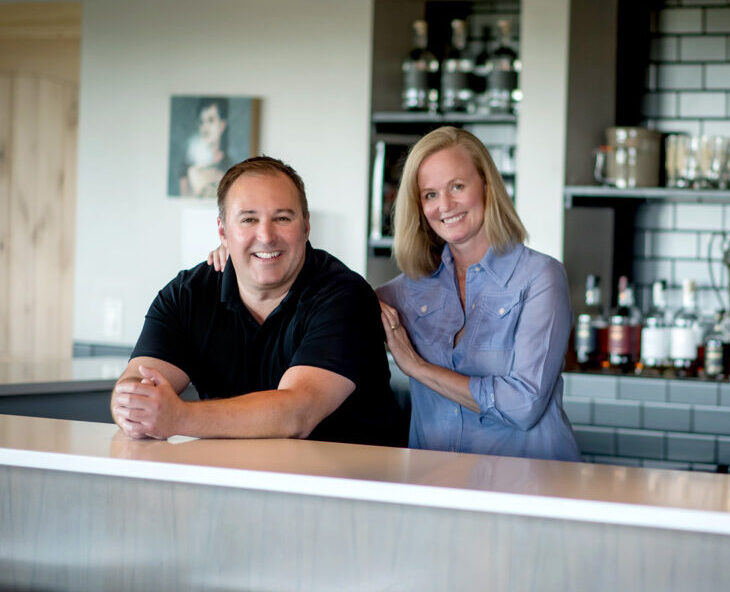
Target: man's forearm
{"x": 263, "y": 414}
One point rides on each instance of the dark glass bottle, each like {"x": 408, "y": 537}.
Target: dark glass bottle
{"x": 624, "y": 330}
{"x": 456, "y": 71}
{"x": 717, "y": 348}
{"x": 591, "y": 328}
{"x": 420, "y": 73}
{"x": 480, "y": 71}
{"x": 502, "y": 94}
{"x": 655, "y": 333}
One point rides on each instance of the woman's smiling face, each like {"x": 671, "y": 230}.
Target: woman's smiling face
{"x": 452, "y": 197}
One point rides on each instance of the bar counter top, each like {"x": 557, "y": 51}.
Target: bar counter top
{"x": 655, "y": 498}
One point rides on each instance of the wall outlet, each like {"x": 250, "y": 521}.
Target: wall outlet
{"x": 113, "y": 318}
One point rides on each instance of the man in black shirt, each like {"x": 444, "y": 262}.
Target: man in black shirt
{"x": 286, "y": 342}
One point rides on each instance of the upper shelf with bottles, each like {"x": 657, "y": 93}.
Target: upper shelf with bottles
{"x": 440, "y": 62}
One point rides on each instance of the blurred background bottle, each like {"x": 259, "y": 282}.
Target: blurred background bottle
{"x": 624, "y": 330}
{"x": 717, "y": 348}
{"x": 686, "y": 333}
{"x": 501, "y": 94}
{"x": 591, "y": 328}
{"x": 655, "y": 333}
{"x": 456, "y": 72}
{"x": 420, "y": 73}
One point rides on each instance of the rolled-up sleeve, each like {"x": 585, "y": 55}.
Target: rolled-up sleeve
{"x": 519, "y": 398}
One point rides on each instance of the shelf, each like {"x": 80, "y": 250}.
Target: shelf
{"x": 586, "y": 195}
{"x": 417, "y": 117}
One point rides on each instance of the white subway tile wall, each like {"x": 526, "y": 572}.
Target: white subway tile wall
{"x": 662, "y": 423}
{"x": 687, "y": 90}
{"x": 703, "y": 49}
{"x": 679, "y": 20}
{"x": 679, "y": 76}
{"x": 702, "y": 104}
{"x": 717, "y": 20}
{"x": 717, "y": 76}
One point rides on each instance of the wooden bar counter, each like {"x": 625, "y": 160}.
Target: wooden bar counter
{"x": 82, "y": 507}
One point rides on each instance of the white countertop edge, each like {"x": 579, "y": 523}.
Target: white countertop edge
{"x": 596, "y": 511}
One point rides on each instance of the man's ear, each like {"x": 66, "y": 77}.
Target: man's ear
{"x": 306, "y": 227}
{"x": 222, "y": 232}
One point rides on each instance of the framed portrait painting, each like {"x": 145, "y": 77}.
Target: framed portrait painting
{"x": 208, "y": 134}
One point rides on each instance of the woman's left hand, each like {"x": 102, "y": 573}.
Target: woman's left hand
{"x": 398, "y": 342}
{"x": 218, "y": 257}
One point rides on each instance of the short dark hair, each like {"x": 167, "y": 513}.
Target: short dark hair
{"x": 260, "y": 165}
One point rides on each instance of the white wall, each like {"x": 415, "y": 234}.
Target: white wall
{"x": 541, "y": 134}
{"x": 309, "y": 62}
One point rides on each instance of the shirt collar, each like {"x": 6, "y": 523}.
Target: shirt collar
{"x": 500, "y": 266}
{"x": 229, "y": 287}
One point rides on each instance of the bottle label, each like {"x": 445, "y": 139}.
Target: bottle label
{"x": 713, "y": 360}
{"x": 585, "y": 341}
{"x": 619, "y": 339}
{"x": 654, "y": 343}
{"x": 683, "y": 343}
{"x": 455, "y": 91}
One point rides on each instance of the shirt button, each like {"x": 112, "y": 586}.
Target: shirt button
{"x": 501, "y": 311}
{"x": 473, "y": 306}
{"x": 456, "y": 411}
{"x": 424, "y": 308}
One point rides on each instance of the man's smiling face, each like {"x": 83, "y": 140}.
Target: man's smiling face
{"x": 265, "y": 232}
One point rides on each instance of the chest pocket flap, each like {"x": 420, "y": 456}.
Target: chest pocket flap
{"x": 426, "y": 317}
{"x": 498, "y": 315}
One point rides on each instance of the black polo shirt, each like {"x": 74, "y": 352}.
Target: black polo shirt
{"x": 329, "y": 319}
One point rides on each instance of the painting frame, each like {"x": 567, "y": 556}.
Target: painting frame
{"x": 208, "y": 134}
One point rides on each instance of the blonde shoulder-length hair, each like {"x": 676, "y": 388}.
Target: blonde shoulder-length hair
{"x": 417, "y": 248}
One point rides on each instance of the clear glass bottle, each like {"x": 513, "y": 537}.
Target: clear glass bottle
{"x": 456, "y": 72}
{"x": 420, "y": 73}
{"x": 502, "y": 89}
{"x": 685, "y": 333}
{"x": 624, "y": 330}
{"x": 655, "y": 332}
{"x": 591, "y": 328}
{"x": 716, "y": 348}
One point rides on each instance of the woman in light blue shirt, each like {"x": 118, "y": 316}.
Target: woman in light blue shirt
{"x": 478, "y": 321}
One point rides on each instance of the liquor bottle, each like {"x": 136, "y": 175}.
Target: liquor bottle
{"x": 717, "y": 348}
{"x": 420, "y": 73}
{"x": 685, "y": 333}
{"x": 502, "y": 93}
{"x": 624, "y": 330}
{"x": 480, "y": 72}
{"x": 456, "y": 70}
{"x": 655, "y": 335}
{"x": 591, "y": 328}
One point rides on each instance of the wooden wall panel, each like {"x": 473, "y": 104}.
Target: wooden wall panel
{"x": 40, "y": 50}
{"x": 41, "y": 217}
{"x": 67, "y": 219}
{"x": 24, "y": 151}
{"x": 5, "y": 111}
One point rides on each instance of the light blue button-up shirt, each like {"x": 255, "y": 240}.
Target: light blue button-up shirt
{"x": 516, "y": 320}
